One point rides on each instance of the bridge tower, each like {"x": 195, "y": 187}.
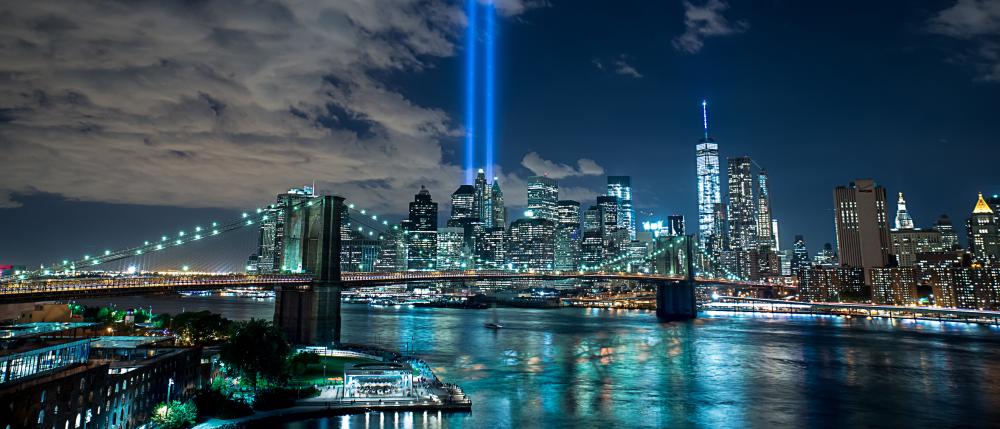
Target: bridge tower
{"x": 310, "y": 314}
{"x": 676, "y": 300}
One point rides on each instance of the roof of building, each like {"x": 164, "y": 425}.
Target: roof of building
{"x": 981, "y": 206}
{"x": 35, "y": 329}
{"x": 126, "y": 342}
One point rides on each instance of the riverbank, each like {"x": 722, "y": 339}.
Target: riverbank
{"x": 307, "y": 409}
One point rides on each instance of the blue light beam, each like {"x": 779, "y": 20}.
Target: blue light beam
{"x": 491, "y": 36}
{"x": 470, "y": 90}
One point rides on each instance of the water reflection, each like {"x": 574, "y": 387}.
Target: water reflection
{"x": 576, "y": 367}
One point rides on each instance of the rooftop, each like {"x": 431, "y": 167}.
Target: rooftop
{"x": 36, "y": 329}
{"x": 126, "y": 342}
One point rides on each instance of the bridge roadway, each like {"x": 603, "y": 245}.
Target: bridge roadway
{"x": 75, "y": 287}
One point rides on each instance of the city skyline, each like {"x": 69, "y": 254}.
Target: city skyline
{"x": 767, "y": 128}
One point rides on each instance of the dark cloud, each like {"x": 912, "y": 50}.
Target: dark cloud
{"x": 978, "y": 22}
{"x": 706, "y": 20}
{"x": 220, "y": 103}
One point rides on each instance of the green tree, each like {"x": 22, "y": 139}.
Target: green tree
{"x": 176, "y": 415}
{"x": 301, "y": 361}
{"x": 200, "y": 327}
{"x": 256, "y": 349}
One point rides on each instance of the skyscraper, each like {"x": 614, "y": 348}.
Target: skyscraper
{"x": 463, "y": 206}
{"x": 621, "y": 187}
{"x": 984, "y": 241}
{"x": 675, "y": 225}
{"x": 567, "y": 236}
{"x": 710, "y": 211}
{"x": 609, "y": 209}
{"x": 765, "y": 229}
{"x": 498, "y": 210}
{"x": 742, "y": 205}
{"x": 568, "y": 213}
{"x": 271, "y": 242}
{"x": 421, "y": 232}
{"x": 862, "y": 224}
{"x": 903, "y": 219}
{"x": 532, "y": 244}
{"x": 483, "y": 201}
{"x": 543, "y": 196}
{"x": 800, "y": 256}
{"x": 949, "y": 238}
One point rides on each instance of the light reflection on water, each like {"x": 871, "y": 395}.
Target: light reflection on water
{"x": 575, "y": 367}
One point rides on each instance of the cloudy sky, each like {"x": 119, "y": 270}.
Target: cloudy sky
{"x": 117, "y": 117}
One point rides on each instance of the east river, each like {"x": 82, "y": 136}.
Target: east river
{"x": 575, "y": 367}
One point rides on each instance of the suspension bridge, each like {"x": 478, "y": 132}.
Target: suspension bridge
{"x": 312, "y": 243}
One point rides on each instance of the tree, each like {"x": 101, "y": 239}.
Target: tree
{"x": 301, "y": 361}
{"x": 256, "y": 349}
{"x": 200, "y": 327}
{"x": 176, "y": 415}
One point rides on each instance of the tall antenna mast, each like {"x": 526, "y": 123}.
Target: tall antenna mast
{"x": 704, "y": 116}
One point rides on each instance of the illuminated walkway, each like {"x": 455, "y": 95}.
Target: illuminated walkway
{"x": 731, "y": 303}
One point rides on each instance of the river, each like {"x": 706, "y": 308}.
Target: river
{"x": 575, "y": 367}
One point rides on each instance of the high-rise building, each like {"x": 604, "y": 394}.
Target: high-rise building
{"x": 498, "y": 210}
{"x": 984, "y": 241}
{"x": 800, "y": 256}
{"x": 765, "y": 227}
{"x": 568, "y": 213}
{"x": 675, "y": 225}
{"x": 862, "y": 224}
{"x": 271, "y": 241}
{"x": 567, "y": 236}
{"x": 826, "y": 257}
{"x": 621, "y": 188}
{"x": 710, "y": 208}
{"x": 491, "y": 249}
{"x": 483, "y": 201}
{"x": 609, "y": 208}
{"x": 742, "y": 205}
{"x": 450, "y": 255}
{"x": 742, "y": 213}
{"x": 463, "y": 206}
{"x": 907, "y": 243}
{"x": 531, "y": 246}
{"x": 949, "y": 238}
{"x": 543, "y": 196}
{"x": 903, "y": 219}
{"x": 774, "y": 232}
{"x": 592, "y": 220}
{"x": 421, "y": 232}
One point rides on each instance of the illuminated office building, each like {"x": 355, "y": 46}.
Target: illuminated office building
{"x": 710, "y": 209}
{"x": 862, "y": 224}
{"x": 621, "y": 188}
{"x": 531, "y": 246}
{"x": 568, "y": 213}
{"x": 742, "y": 214}
{"x": 450, "y": 255}
{"x": 903, "y": 219}
{"x": 765, "y": 224}
{"x": 984, "y": 241}
{"x": 463, "y": 206}
{"x": 949, "y": 238}
{"x": 543, "y": 197}
{"x": 675, "y": 225}
{"x": 421, "y": 232}
{"x": 498, "y": 212}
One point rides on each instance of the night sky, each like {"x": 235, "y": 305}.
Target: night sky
{"x": 118, "y": 118}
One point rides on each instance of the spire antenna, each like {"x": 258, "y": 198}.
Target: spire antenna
{"x": 704, "y": 116}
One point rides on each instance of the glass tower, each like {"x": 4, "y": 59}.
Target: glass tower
{"x": 621, "y": 187}
{"x": 709, "y": 192}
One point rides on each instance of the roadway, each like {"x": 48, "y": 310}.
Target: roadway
{"x": 34, "y": 289}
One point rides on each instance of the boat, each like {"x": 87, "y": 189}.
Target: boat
{"x": 495, "y": 324}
